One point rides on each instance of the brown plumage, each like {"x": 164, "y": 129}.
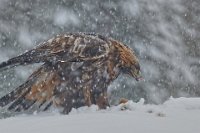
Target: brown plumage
{"x": 77, "y": 70}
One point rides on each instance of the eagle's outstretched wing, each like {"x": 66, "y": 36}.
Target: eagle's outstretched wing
{"x": 61, "y": 80}
{"x": 65, "y": 48}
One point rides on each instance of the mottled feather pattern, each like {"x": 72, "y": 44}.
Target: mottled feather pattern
{"x": 77, "y": 70}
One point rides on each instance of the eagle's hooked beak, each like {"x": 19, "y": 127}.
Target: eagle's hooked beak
{"x": 137, "y": 75}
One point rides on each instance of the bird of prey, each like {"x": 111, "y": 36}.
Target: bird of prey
{"x": 76, "y": 71}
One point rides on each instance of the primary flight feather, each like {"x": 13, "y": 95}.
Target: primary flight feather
{"x": 76, "y": 71}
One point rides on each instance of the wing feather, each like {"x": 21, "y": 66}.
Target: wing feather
{"x": 63, "y": 48}
{"x": 38, "y": 90}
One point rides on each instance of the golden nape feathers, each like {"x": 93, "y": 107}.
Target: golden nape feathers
{"x": 77, "y": 70}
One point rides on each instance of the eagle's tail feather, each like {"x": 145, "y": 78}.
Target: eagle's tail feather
{"x": 21, "y": 103}
{"x": 17, "y": 99}
{"x": 48, "y": 106}
{"x": 15, "y": 94}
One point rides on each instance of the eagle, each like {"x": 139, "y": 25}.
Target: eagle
{"x": 76, "y": 70}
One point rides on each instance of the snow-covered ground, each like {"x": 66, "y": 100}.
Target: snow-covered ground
{"x": 174, "y": 116}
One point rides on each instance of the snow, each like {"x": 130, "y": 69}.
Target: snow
{"x": 65, "y": 17}
{"x": 25, "y": 38}
{"x": 179, "y": 115}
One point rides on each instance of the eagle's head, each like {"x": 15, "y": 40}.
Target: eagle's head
{"x": 133, "y": 70}
{"x": 129, "y": 63}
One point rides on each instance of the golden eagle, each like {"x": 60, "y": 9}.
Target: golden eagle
{"x": 77, "y": 70}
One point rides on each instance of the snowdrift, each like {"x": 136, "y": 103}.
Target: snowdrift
{"x": 174, "y": 116}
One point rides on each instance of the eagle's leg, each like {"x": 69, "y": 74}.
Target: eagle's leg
{"x": 87, "y": 96}
{"x": 100, "y": 99}
{"x": 68, "y": 100}
{"x": 64, "y": 102}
